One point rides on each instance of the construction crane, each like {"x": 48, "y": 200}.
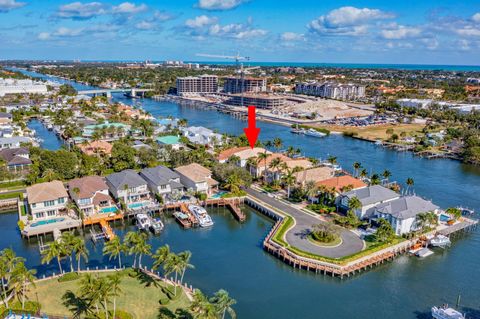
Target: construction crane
{"x": 237, "y": 58}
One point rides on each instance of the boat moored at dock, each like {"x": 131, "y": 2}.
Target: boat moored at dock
{"x": 156, "y": 226}
{"x": 204, "y": 220}
{"x": 445, "y": 312}
{"x": 143, "y": 221}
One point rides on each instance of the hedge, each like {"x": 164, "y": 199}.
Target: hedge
{"x": 18, "y": 195}
{"x": 31, "y": 307}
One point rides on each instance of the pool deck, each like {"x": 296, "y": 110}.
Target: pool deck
{"x": 67, "y": 224}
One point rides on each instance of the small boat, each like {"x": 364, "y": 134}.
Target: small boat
{"x": 445, "y": 312}
{"x": 204, "y": 220}
{"x": 297, "y": 130}
{"x": 314, "y": 133}
{"x": 424, "y": 252}
{"x": 156, "y": 226}
{"x": 440, "y": 241}
{"x": 183, "y": 219}
{"x": 143, "y": 221}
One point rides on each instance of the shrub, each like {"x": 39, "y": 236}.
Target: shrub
{"x": 31, "y": 307}
{"x": 350, "y": 133}
{"x": 164, "y": 301}
{"x": 71, "y": 276}
{"x": 21, "y": 225}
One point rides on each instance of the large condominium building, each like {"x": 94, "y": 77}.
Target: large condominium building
{"x": 234, "y": 85}
{"x": 331, "y": 90}
{"x": 197, "y": 84}
{"x": 262, "y": 101}
{"x": 13, "y": 86}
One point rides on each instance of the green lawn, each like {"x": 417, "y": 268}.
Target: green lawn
{"x": 140, "y": 296}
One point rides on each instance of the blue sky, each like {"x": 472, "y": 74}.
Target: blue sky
{"x": 418, "y": 32}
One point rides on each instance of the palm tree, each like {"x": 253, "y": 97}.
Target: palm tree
{"x": 173, "y": 264}
{"x": 410, "y": 183}
{"x": 160, "y": 256}
{"x": 68, "y": 241}
{"x": 275, "y": 165}
{"x": 22, "y": 278}
{"x": 386, "y": 174}
{"x": 115, "y": 281}
{"x": 263, "y": 157}
{"x": 114, "y": 249}
{"x": 142, "y": 248}
{"x": 223, "y": 303}
{"x": 277, "y": 143}
{"x": 8, "y": 261}
{"x": 289, "y": 179}
{"x": 201, "y": 307}
{"x": 80, "y": 250}
{"x": 374, "y": 179}
{"x": 49, "y": 175}
{"x": 130, "y": 240}
{"x": 356, "y": 168}
{"x": 332, "y": 160}
{"x": 54, "y": 250}
{"x": 89, "y": 290}
{"x": 104, "y": 289}
{"x": 363, "y": 173}
{"x": 354, "y": 204}
{"x": 311, "y": 190}
{"x": 268, "y": 144}
{"x": 233, "y": 183}
{"x": 185, "y": 257}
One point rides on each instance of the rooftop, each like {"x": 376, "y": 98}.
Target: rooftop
{"x": 168, "y": 140}
{"x": 372, "y": 194}
{"x": 128, "y": 178}
{"x": 406, "y": 207}
{"x": 339, "y": 182}
{"x": 195, "y": 172}
{"x": 42, "y": 192}
{"x": 87, "y": 186}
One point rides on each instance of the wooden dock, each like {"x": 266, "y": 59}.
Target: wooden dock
{"x": 97, "y": 219}
{"x": 107, "y": 230}
{"x": 233, "y": 204}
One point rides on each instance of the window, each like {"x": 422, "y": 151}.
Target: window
{"x": 61, "y": 200}
{"x": 49, "y": 203}
{"x": 34, "y": 205}
{"x": 39, "y": 215}
{"x": 51, "y": 213}
{"x": 163, "y": 186}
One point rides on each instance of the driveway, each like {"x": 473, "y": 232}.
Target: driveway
{"x": 297, "y": 235}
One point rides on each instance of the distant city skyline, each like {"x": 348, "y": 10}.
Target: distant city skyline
{"x": 408, "y": 32}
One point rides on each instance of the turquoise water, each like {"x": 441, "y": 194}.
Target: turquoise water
{"x": 219, "y": 194}
{"x": 230, "y": 255}
{"x": 112, "y": 209}
{"x": 47, "y": 222}
{"x": 136, "y": 205}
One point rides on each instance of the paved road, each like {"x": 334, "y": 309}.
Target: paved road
{"x": 297, "y": 236}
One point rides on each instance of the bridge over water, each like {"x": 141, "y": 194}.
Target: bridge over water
{"x": 132, "y": 92}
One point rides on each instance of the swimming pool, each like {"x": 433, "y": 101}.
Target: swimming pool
{"x": 107, "y": 210}
{"x": 47, "y": 222}
{"x": 219, "y": 194}
{"x": 444, "y": 218}
{"x": 137, "y": 205}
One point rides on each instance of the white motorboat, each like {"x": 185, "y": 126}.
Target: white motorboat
{"x": 440, "y": 241}
{"x": 157, "y": 226}
{"x": 445, "y": 312}
{"x": 314, "y": 133}
{"x": 204, "y": 220}
{"x": 143, "y": 221}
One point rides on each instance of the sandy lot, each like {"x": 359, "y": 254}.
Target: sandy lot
{"x": 327, "y": 109}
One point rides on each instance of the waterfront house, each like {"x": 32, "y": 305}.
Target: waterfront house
{"x": 5, "y": 118}
{"x": 13, "y": 142}
{"x": 16, "y": 159}
{"x": 340, "y": 183}
{"x": 172, "y": 140}
{"x": 107, "y": 131}
{"x": 46, "y": 200}
{"x": 314, "y": 174}
{"x": 130, "y": 188}
{"x": 162, "y": 180}
{"x": 197, "y": 177}
{"x": 138, "y": 145}
{"x": 202, "y": 135}
{"x": 402, "y": 212}
{"x": 91, "y": 195}
{"x": 242, "y": 153}
{"x": 276, "y": 173}
{"x": 369, "y": 197}
{"x": 95, "y": 148}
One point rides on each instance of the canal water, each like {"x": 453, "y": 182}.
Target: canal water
{"x": 230, "y": 256}
{"x": 48, "y": 139}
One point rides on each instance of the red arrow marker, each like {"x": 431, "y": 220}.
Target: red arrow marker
{"x": 251, "y": 131}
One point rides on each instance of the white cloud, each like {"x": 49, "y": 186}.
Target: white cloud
{"x": 80, "y": 11}
{"x": 64, "y": 32}
{"x": 401, "y": 32}
{"x": 43, "y": 36}
{"x": 219, "y": 4}
{"x": 162, "y": 16}
{"x": 476, "y": 17}
{"x": 468, "y": 31}
{"x": 7, "y": 5}
{"x": 129, "y": 8}
{"x": 347, "y": 21}
{"x": 200, "y": 21}
{"x": 292, "y": 36}
{"x": 145, "y": 25}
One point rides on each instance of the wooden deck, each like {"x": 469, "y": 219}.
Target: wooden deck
{"x": 107, "y": 230}
{"x": 233, "y": 204}
{"x": 97, "y": 219}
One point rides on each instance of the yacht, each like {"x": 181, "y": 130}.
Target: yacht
{"x": 156, "y": 226}
{"x": 201, "y": 214}
{"x": 314, "y": 133}
{"x": 143, "y": 221}
{"x": 297, "y": 130}
{"x": 440, "y": 241}
{"x": 446, "y": 313}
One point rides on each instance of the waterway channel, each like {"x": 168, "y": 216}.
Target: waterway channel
{"x": 230, "y": 256}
